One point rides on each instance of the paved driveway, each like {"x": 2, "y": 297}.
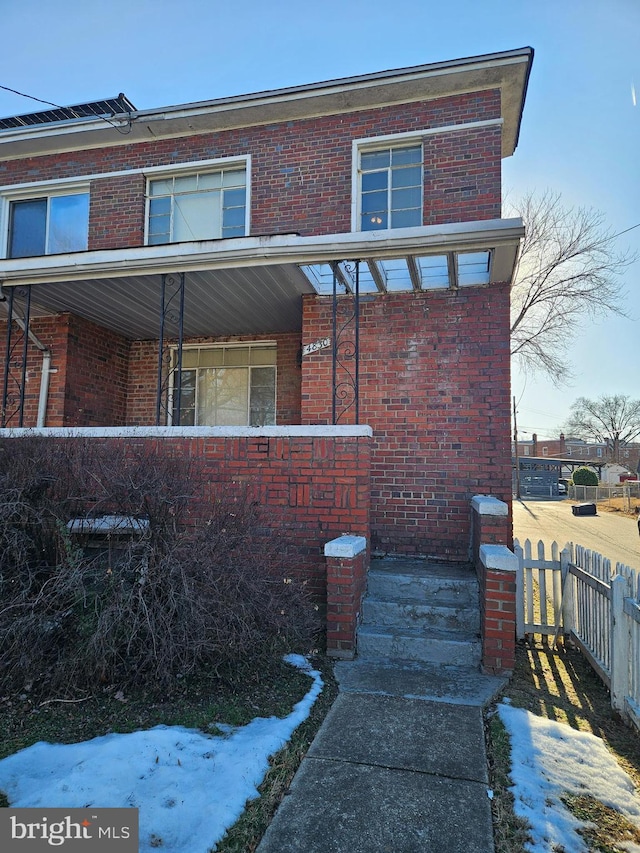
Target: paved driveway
{"x": 612, "y": 535}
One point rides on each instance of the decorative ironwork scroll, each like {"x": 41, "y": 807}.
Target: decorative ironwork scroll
{"x": 346, "y": 346}
{"x": 14, "y": 375}
{"x": 170, "y": 350}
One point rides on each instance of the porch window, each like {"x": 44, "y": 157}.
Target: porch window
{"x": 48, "y": 225}
{"x": 197, "y": 206}
{"x": 390, "y": 191}
{"x": 228, "y": 386}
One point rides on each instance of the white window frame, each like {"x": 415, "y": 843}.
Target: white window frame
{"x": 400, "y": 140}
{"x": 30, "y": 192}
{"x": 231, "y": 345}
{"x": 380, "y": 143}
{"x": 199, "y": 167}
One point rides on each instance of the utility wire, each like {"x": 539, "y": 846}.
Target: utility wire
{"x": 626, "y": 230}
{"x": 59, "y": 107}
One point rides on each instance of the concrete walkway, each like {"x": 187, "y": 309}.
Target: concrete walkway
{"x": 398, "y": 766}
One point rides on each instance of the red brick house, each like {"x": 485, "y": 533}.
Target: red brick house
{"x": 324, "y": 264}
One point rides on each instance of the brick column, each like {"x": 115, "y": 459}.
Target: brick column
{"x": 498, "y": 609}
{"x": 496, "y": 569}
{"x": 347, "y": 564}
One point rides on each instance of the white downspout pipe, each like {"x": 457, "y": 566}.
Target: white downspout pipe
{"x": 44, "y": 387}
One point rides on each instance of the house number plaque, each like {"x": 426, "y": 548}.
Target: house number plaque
{"x": 307, "y": 349}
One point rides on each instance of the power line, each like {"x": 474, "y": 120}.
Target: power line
{"x": 31, "y": 97}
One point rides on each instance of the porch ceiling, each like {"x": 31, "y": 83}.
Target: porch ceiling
{"x": 254, "y": 285}
{"x": 217, "y": 302}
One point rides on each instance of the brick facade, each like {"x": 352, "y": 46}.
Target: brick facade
{"x": 434, "y": 387}
{"x": 300, "y": 171}
{"x": 313, "y": 485}
{"x": 89, "y": 372}
{"x": 434, "y": 374}
{"x": 434, "y": 381}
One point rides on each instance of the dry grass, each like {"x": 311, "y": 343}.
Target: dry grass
{"x": 260, "y": 691}
{"x": 560, "y": 685}
{"x": 621, "y": 505}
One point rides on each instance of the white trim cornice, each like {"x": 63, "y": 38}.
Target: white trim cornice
{"x": 261, "y": 251}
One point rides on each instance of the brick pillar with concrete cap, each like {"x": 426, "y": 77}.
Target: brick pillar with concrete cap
{"x": 496, "y": 569}
{"x": 347, "y": 564}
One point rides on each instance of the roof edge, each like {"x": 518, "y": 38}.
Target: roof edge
{"x": 507, "y": 70}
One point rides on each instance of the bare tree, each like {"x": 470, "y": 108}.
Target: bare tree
{"x": 568, "y": 269}
{"x": 613, "y": 420}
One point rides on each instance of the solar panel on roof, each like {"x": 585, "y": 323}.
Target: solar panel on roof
{"x": 108, "y": 107}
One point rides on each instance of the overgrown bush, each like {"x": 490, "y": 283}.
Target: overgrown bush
{"x": 584, "y": 476}
{"x": 182, "y": 595}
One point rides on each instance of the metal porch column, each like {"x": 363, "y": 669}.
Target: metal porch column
{"x": 168, "y": 393}
{"x": 346, "y": 345}
{"x": 14, "y": 375}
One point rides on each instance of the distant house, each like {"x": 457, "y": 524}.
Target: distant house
{"x": 578, "y": 452}
{"x": 613, "y": 474}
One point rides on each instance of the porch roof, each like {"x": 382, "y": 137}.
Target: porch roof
{"x": 249, "y": 285}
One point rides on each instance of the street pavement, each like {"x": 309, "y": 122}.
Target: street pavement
{"x": 609, "y": 533}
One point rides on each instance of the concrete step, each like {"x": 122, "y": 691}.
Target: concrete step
{"x": 432, "y": 646}
{"x": 433, "y": 583}
{"x": 453, "y": 685}
{"x": 413, "y": 613}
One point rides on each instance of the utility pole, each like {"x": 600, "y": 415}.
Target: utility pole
{"x": 515, "y": 441}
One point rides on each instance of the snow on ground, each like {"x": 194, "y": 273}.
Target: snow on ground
{"x": 190, "y": 787}
{"x": 549, "y": 759}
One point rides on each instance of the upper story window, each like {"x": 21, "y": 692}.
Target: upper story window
{"x": 48, "y": 225}
{"x": 227, "y": 386}
{"x": 390, "y": 187}
{"x": 204, "y": 205}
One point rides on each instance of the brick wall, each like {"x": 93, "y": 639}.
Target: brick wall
{"x": 88, "y": 379}
{"x": 347, "y": 567}
{"x": 116, "y": 216}
{"x": 97, "y": 365}
{"x": 312, "y": 486}
{"x": 301, "y": 170}
{"x": 434, "y": 386}
{"x": 51, "y": 331}
{"x": 312, "y": 489}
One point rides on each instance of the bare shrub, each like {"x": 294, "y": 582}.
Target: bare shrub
{"x": 183, "y": 594}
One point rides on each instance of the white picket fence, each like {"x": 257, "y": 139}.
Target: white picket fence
{"x": 574, "y": 592}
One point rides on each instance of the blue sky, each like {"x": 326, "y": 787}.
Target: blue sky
{"x": 580, "y": 133}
